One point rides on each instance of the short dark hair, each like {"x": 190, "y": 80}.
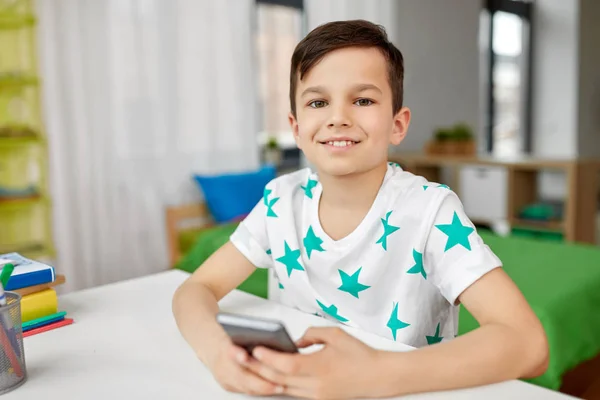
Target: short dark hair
{"x": 341, "y": 34}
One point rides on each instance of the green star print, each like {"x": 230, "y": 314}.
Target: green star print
{"x": 312, "y": 242}
{"x": 333, "y": 311}
{"x": 435, "y": 339}
{"x": 290, "y": 259}
{"x": 350, "y": 283}
{"x": 266, "y": 194}
{"x": 425, "y": 187}
{"x": 269, "y": 203}
{"x": 387, "y": 230}
{"x": 394, "y": 323}
{"x": 310, "y": 185}
{"x": 418, "y": 267}
{"x": 458, "y": 234}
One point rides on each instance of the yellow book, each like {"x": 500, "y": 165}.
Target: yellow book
{"x": 40, "y": 304}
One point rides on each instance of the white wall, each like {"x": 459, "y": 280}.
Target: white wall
{"x": 555, "y": 74}
{"x": 555, "y": 77}
{"x": 439, "y": 42}
{"x": 589, "y": 79}
{"x": 566, "y": 96}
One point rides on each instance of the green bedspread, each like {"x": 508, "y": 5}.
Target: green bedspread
{"x": 562, "y": 284}
{"x": 206, "y": 243}
{"x": 560, "y": 281}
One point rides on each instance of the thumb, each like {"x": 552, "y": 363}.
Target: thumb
{"x": 320, "y": 336}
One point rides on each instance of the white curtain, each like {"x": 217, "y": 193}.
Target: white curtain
{"x": 138, "y": 95}
{"x": 381, "y": 12}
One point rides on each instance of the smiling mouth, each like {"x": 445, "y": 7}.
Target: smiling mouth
{"x": 340, "y": 143}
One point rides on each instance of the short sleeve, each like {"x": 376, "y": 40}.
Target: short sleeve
{"x": 251, "y": 238}
{"x": 455, "y": 256}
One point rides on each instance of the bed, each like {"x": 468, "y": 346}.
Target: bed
{"x": 561, "y": 281}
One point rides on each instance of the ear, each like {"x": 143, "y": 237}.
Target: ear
{"x": 401, "y": 122}
{"x": 294, "y": 125}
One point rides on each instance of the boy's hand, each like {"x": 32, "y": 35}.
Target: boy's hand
{"x": 229, "y": 367}
{"x": 344, "y": 368}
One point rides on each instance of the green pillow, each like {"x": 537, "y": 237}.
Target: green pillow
{"x": 210, "y": 240}
{"x": 206, "y": 242}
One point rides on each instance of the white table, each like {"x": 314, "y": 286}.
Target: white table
{"x": 124, "y": 344}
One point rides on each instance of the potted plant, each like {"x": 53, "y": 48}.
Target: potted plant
{"x": 455, "y": 140}
{"x": 272, "y": 151}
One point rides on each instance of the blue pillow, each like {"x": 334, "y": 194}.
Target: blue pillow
{"x": 232, "y": 196}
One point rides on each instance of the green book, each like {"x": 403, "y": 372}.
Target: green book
{"x": 44, "y": 320}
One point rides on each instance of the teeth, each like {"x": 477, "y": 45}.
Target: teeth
{"x": 340, "y": 143}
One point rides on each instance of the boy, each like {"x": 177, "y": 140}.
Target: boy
{"x": 364, "y": 243}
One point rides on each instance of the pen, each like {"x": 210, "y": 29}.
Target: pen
{"x": 7, "y": 271}
{"x": 7, "y": 325}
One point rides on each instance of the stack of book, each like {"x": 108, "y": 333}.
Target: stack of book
{"x": 35, "y": 282}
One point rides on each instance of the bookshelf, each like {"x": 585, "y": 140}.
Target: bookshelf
{"x": 578, "y": 222}
{"x": 25, "y": 204}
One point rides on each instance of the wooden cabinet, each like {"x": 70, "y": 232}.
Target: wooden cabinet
{"x": 580, "y": 204}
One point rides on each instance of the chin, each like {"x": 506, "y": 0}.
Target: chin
{"x": 338, "y": 170}
{"x": 345, "y": 168}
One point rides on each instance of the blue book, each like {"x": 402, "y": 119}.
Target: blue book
{"x": 27, "y": 272}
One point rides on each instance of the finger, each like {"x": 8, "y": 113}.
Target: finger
{"x": 239, "y": 355}
{"x": 251, "y": 383}
{"x": 285, "y": 363}
{"x": 266, "y": 372}
{"x": 230, "y": 388}
{"x": 322, "y": 335}
{"x": 303, "y": 343}
{"x": 304, "y": 392}
{"x": 275, "y": 376}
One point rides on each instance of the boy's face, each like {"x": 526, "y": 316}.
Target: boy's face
{"x": 345, "y": 119}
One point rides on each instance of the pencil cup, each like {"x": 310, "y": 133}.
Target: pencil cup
{"x": 12, "y": 355}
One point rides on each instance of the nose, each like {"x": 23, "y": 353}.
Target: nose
{"x": 339, "y": 117}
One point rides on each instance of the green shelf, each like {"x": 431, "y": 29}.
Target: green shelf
{"x": 11, "y": 81}
{"x": 16, "y": 21}
{"x": 26, "y": 220}
{"x": 29, "y": 250}
{"x": 14, "y": 204}
{"x": 8, "y": 142}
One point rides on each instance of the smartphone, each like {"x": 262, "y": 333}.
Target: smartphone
{"x": 250, "y": 332}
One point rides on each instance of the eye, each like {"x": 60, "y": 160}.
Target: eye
{"x": 363, "y": 102}
{"x": 317, "y": 104}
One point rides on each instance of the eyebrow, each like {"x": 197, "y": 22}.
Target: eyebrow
{"x": 362, "y": 87}
{"x": 313, "y": 89}
{"x": 366, "y": 86}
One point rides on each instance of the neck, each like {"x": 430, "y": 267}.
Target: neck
{"x": 356, "y": 191}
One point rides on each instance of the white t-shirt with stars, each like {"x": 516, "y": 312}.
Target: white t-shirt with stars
{"x": 398, "y": 274}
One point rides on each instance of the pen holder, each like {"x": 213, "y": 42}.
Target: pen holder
{"x": 12, "y": 356}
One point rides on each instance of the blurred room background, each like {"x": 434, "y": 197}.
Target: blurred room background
{"x": 110, "y": 111}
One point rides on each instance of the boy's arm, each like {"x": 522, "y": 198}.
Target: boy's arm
{"x": 509, "y": 344}
{"x": 195, "y": 301}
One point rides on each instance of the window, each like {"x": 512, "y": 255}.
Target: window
{"x": 280, "y": 26}
{"x": 506, "y": 45}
